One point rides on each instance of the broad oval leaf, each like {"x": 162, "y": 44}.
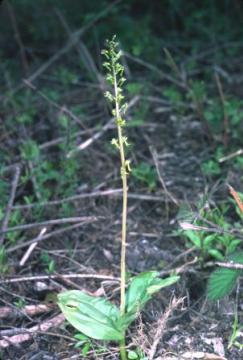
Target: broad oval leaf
{"x": 93, "y": 316}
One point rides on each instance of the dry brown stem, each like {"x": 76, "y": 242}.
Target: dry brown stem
{"x": 161, "y": 324}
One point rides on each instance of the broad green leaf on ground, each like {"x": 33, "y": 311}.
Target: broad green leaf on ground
{"x": 93, "y": 316}
{"x": 223, "y": 280}
{"x": 141, "y": 289}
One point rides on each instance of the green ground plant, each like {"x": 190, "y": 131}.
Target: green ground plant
{"x": 216, "y": 244}
{"x": 4, "y": 266}
{"x": 48, "y": 262}
{"x": 223, "y": 280}
{"x": 211, "y": 168}
{"x": 86, "y": 344}
{"x": 96, "y": 317}
{"x": 225, "y": 248}
{"x": 237, "y": 330}
{"x": 203, "y": 43}
{"x": 146, "y": 174}
{"x": 52, "y": 178}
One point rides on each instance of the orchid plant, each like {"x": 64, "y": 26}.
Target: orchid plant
{"x": 96, "y": 317}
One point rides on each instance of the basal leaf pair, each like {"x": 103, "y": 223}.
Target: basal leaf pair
{"x": 98, "y": 318}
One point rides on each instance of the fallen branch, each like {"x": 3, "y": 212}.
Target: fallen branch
{"x": 69, "y": 199}
{"x": 166, "y": 191}
{"x": 47, "y": 236}
{"x": 31, "y": 310}
{"x": 29, "y": 333}
{"x": 31, "y": 248}
{"x": 49, "y": 222}
{"x": 230, "y": 265}
{"x": 58, "y": 276}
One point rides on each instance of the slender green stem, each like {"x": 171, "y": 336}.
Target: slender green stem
{"x": 124, "y": 213}
{"x": 124, "y": 208}
{"x": 123, "y": 352}
{"x": 116, "y": 79}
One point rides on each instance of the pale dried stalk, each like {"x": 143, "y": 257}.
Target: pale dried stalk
{"x": 161, "y": 324}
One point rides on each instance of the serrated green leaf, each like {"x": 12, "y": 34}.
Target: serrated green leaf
{"x": 221, "y": 283}
{"x": 93, "y": 316}
{"x": 223, "y": 280}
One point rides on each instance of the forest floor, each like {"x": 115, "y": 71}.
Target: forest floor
{"x": 69, "y": 172}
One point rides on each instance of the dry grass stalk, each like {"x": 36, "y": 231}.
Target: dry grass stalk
{"x": 161, "y": 324}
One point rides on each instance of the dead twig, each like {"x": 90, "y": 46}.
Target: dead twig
{"x": 61, "y": 108}
{"x": 50, "y": 222}
{"x": 161, "y": 324}
{"x": 230, "y": 265}
{"x": 180, "y": 269}
{"x": 153, "y": 68}
{"x": 231, "y": 156}
{"x": 110, "y": 192}
{"x": 10, "y": 203}
{"x": 226, "y": 119}
{"x": 47, "y": 236}
{"x": 18, "y": 38}
{"x": 15, "y": 331}
{"x": 236, "y": 198}
{"x": 31, "y": 310}
{"x": 58, "y": 276}
{"x": 69, "y": 199}
{"x": 155, "y": 159}
{"x": 56, "y": 321}
{"x": 145, "y": 197}
{"x": 31, "y": 248}
{"x": 34, "y": 181}
{"x": 82, "y": 51}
